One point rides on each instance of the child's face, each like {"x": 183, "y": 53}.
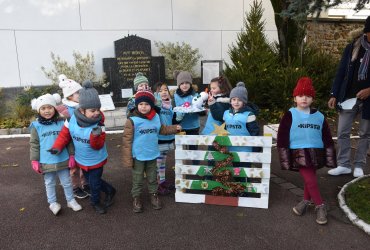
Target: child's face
{"x": 303, "y": 101}
{"x": 236, "y": 103}
{"x": 75, "y": 97}
{"x": 47, "y": 111}
{"x": 215, "y": 89}
{"x": 144, "y": 108}
{"x": 90, "y": 113}
{"x": 185, "y": 86}
{"x": 143, "y": 86}
{"x": 163, "y": 91}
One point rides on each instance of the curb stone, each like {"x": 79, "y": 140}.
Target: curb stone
{"x": 350, "y": 214}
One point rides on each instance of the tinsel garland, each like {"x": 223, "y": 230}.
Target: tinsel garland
{"x": 224, "y": 176}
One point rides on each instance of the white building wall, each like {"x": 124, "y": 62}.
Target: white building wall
{"x": 31, "y": 29}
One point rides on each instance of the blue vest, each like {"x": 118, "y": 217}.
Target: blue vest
{"x": 47, "y": 136}
{"x": 208, "y": 127}
{"x": 236, "y": 124}
{"x": 71, "y": 110}
{"x": 145, "y": 143}
{"x": 191, "y": 120}
{"x": 306, "y": 130}
{"x": 84, "y": 153}
{"x": 166, "y": 116}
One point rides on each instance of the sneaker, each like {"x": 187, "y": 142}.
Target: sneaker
{"x": 87, "y": 190}
{"x": 55, "y": 207}
{"x": 109, "y": 198}
{"x": 137, "y": 206}
{"x": 301, "y": 207}
{"x": 79, "y": 193}
{"x": 339, "y": 170}
{"x": 99, "y": 209}
{"x": 358, "y": 172}
{"x": 156, "y": 203}
{"x": 321, "y": 214}
{"x": 74, "y": 205}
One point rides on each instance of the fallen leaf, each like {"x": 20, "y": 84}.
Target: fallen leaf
{"x": 8, "y": 148}
{"x": 22, "y": 209}
{"x": 118, "y": 146}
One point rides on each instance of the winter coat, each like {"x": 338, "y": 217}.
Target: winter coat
{"x": 345, "y": 73}
{"x": 293, "y": 159}
{"x": 128, "y": 137}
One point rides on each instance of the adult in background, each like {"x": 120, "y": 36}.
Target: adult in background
{"x": 350, "y": 94}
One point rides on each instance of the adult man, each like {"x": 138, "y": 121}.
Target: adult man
{"x": 353, "y": 81}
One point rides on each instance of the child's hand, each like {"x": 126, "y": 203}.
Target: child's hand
{"x": 178, "y": 127}
{"x": 36, "y": 166}
{"x": 97, "y": 130}
{"x": 179, "y": 116}
{"x": 54, "y": 151}
{"x": 72, "y": 162}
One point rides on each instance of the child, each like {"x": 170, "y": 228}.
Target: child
{"x": 218, "y": 102}
{"x": 185, "y": 93}
{"x": 140, "y": 83}
{"x": 71, "y": 95}
{"x": 140, "y": 147}
{"x": 86, "y": 129}
{"x": 305, "y": 144}
{"x": 165, "y": 142}
{"x": 240, "y": 119}
{"x": 44, "y": 131}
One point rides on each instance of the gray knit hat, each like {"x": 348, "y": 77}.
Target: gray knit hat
{"x": 240, "y": 91}
{"x": 184, "y": 76}
{"x": 140, "y": 78}
{"x": 89, "y": 97}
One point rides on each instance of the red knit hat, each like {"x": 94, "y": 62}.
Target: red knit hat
{"x": 144, "y": 96}
{"x": 304, "y": 87}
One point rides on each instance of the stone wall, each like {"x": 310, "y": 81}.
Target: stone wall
{"x": 331, "y": 35}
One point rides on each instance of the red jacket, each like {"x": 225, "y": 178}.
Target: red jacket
{"x": 96, "y": 142}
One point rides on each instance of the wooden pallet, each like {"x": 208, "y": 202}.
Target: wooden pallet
{"x": 194, "y": 181}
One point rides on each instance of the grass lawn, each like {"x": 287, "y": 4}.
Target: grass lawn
{"x": 358, "y": 199}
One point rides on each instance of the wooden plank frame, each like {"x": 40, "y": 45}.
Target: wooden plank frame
{"x": 191, "y": 183}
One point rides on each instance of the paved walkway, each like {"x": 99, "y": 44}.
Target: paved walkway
{"x": 27, "y": 222}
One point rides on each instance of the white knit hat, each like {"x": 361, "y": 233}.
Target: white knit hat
{"x": 68, "y": 86}
{"x": 46, "y": 99}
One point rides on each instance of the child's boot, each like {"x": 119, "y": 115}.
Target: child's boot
{"x": 137, "y": 206}
{"x": 156, "y": 203}
{"x": 109, "y": 198}
{"x": 301, "y": 207}
{"x": 55, "y": 207}
{"x": 99, "y": 208}
{"x": 321, "y": 214}
{"x": 74, "y": 205}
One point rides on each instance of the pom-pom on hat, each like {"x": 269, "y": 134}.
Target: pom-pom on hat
{"x": 240, "y": 91}
{"x": 183, "y": 76}
{"x": 367, "y": 25}
{"x": 144, "y": 96}
{"x": 46, "y": 99}
{"x": 89, "y": 97}
{"x": 140, "y": 78}
{"x": 304, "y": 87}
{"x": 68, "y": 86}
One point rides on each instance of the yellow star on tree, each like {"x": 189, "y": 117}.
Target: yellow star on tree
{"x": 219, "y": 130}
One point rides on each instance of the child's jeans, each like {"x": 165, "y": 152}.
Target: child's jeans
{"x": 97, "y": 184}
{"x": 150, "y": 168}
{"x": 311, "y": 189}
{"x": 50, "y": 182}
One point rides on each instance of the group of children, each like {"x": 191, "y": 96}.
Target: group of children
{"x": 304, "y": 140}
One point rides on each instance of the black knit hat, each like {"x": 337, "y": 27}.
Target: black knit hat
{"x": 144, "y": 96}
{"x": 367, "y": 25}
{"x": 89, "y": 97}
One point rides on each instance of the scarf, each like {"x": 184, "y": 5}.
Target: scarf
{"x": 44, "y": 121}
{"x": 83, "y": 121}
{"x": 182, "y": 94}
{"x": 362, "y": 71}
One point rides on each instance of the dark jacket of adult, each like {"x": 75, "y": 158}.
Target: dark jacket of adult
{"x": 345, "y": 73}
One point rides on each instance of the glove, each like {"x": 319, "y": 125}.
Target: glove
{"x": 179, "y": 116}
{"x": 72, "y": 162}
{"x": 54, "y": 151}
{"x": 96, "y": 131}
{"x": 36, "y": 166}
